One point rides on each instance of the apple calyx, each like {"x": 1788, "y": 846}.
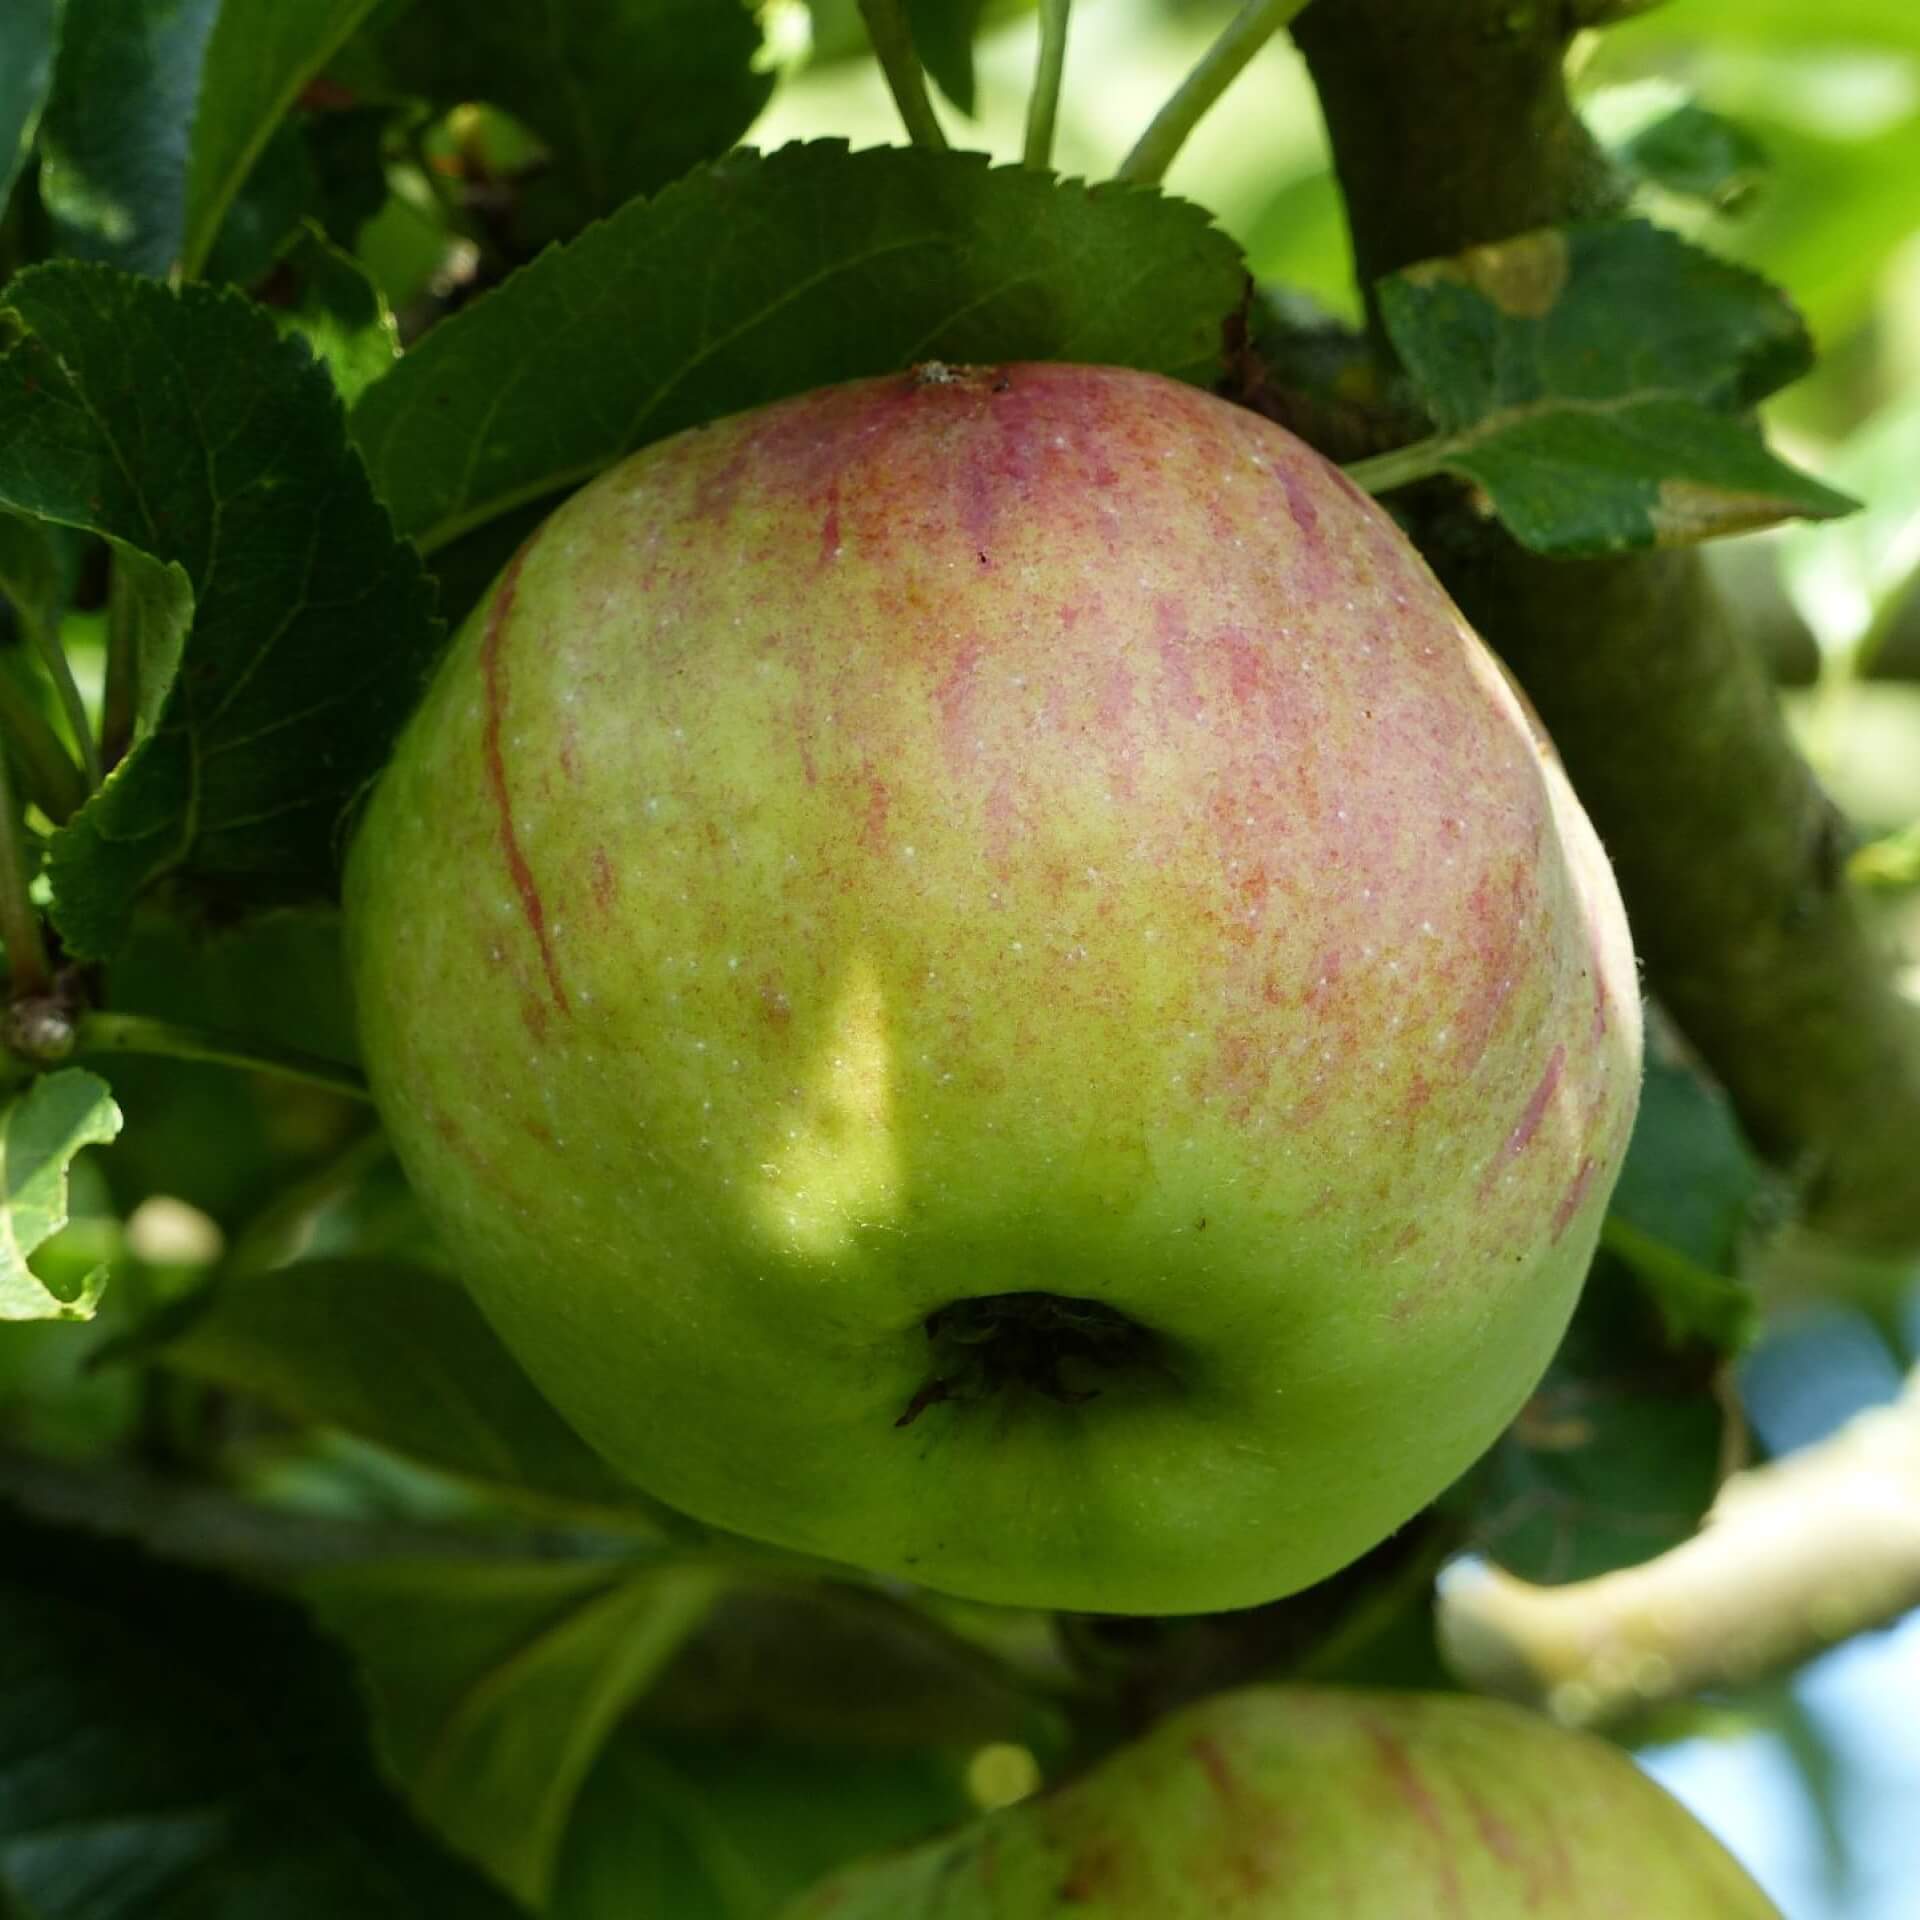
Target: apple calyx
{"x": 1041, "y": 1342}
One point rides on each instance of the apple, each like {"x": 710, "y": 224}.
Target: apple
{"x": 1298, "y": 1803}
{"x": 985, "y": 981}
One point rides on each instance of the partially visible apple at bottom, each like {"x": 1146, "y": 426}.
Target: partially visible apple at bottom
{"x": 1282, "y": 1803}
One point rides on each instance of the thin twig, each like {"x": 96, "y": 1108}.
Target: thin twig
{"x": 53, "y": 656}
{"x": 48, "y": 777}
{"x": 1243, "y": 36}
{"x": 136, "y": 1033}
{"x": 28, "y": 973}
{"x": 893, "y": 44}
{"x": 1043, "y": 105}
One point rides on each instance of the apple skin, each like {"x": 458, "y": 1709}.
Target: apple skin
{"x": 1019, "y": 831}
{"x": 1301, "y": 1803}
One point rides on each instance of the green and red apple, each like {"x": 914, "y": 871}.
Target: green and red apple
{"x": 986, "y": 981}
{"x": 1299, "y": 1804}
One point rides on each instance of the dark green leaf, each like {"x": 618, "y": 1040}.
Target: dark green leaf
{"x": 943, "y": 35}
{"x": 29, "y": 38}
{"x": 845, "y": 1666}
{"x": 280, "y": 189}
{"x": 1699, "y": 154}
{"x": 261, "y": 53}
{"x": 326, "y": 297}
{"x": 1570, "y": 480}
{"x": 154, "y": 600}
{"x": 1618, "y": 1454}
{"x": 1600, "y": 313}
{"x": 181, "y": 425}
{"x": 760, "y": 277}
{"x": 624, "y": 94}
{"x": 173, "y": 1744}
{"x": 400, "y": 1356}
{"x": 1686, "y": 1201}
{"x": 732, "y": 1828}
{"x": 348, "y": 147}
{"x": 40, "y": 1132}
{"x": 113, "y": 144}
{"x": 495, "y": 1688}
{"x": 1590, "y": 379}
{"x": 226, "y": 1142}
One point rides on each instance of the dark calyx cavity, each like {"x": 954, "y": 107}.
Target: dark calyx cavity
{"x": 1010, "y": 1343}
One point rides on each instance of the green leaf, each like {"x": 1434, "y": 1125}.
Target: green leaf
{"x": 114, "y": 140}
{"x": 624, "y": 94}
{"x": 326, "y": 297}
{"x": 260, "y": 55}
{"x": 1700, "y": 155}
{"x": 760, "y": 277}
{"x": 1688, "y": 1198}
{"x": 29, "y": 38}
{"x": 943, "y": 35}
{"x": 154, "y": 599}
{"x": 844, "y": 1666}
{"x": 230, "y": 1143}
{"x": 1590, "y": 379}
{"x": 174, "y": 1744}
{"x": 400, "y": 1356}
{"x": 495, "y": 1687}
{"x": 40, "y": 1132}
{"x": 1618, "y": 1454}
{"x": 280, "y": 190}
{"x": 732, "y": 1827}
{"x": 182, "y": 426}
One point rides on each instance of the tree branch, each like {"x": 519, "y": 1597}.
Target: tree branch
{"x": 1794, "y": 1557}
{"x": 1451, "y": 126}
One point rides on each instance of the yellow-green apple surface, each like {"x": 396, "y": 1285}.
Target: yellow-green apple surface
{"x": 985, "y": 981}
{"x": 1305, "y": 1804}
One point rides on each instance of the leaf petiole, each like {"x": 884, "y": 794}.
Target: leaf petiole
{"x": 1043, "y": 106}
{"x": 1243, "y": 36}
{"x": 893, "y": 45}
{"x": 1421, "y": 460}
{"x": 136, "y": 1033}
{"x": 49, "y": 779}
{"x": 28, "y": 972}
